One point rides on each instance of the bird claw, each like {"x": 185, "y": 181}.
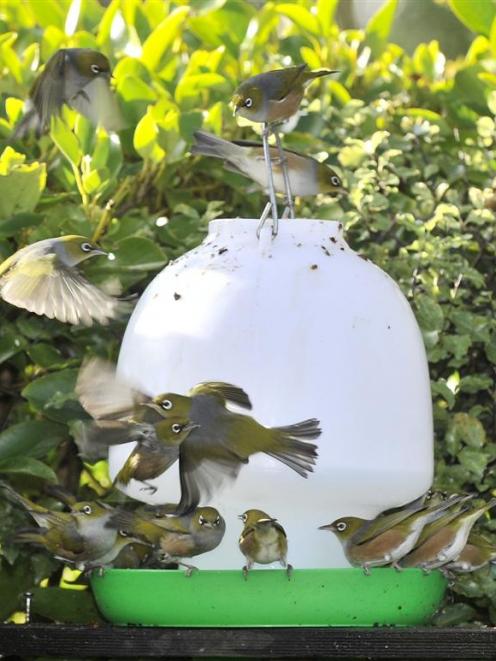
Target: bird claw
{"x": 245, "y": 572}
{"x": 289, "y": 571}
{"x": 189, "y": 569}
{"x": 398, "y": 567}
{"x": 149, "y": 488}
{"x": 366, "y": 570}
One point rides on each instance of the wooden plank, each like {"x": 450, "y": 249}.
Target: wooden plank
{"x": 332, "y": 643}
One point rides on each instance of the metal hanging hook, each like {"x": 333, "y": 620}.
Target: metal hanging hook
{"x": 285, "y": 174}
{"x": 270, "y": 185}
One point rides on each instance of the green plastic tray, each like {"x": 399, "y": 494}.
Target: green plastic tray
{"x": 313, "y": 597}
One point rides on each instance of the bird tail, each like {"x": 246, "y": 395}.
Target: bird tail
{"x": 311, "y": 75}
{"x": 208, "y": 144}
{"x": 292, "y": 448}
{"x": 16, "y": 498}
{"x": 29, "y": 536}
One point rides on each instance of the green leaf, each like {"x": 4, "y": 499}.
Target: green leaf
{"x": 27, "y": 466}
{"x": 300, "y": 16}
{"x": 138, "y": 254}
{"x": 162, "y": 37}
{"x": 33, "y": 438}
{"x": 477, "y": 15}
{"x": 21, "y": 184}
{"x": 469, "y": 430}
{"x": 13, "y": 582}
{"x": 430, "y": 314}
{"x": 66, "y": 605}
{"x": 53, "y": 395}
{"x": 379, "y": 26}
{"x": 11, "y": 343}
{"x": 66, "y": 141}
{"x": 18, "y": 222}
{"x": 325, "y": 15}
{"x": 145, "y": 139}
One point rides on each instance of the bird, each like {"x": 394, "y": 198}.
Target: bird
{"x": 152, "y": 456}
{"x": 78, "y": 536}
{"x": 306, "y": 175}
{"x": 445, "y": 540}
{"x": 224, "y": 440}
{"x": 79, "y": 78}
{"x": 477, "y": 553}
{"x": 218, "y": 446}
{"x": 176, "y": 537}
{"x": 263, "y": 540}
{"x": 43, "y": 277}
{"x": 387, "y": 539}
{"x": 270, "y": 98}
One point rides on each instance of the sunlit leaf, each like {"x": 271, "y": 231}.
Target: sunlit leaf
{"x": 162, "y": 37}
{"x": 379, "y": 26}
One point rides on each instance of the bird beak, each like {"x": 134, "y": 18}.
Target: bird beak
{"x": 240, "y": 517}
{"x": 99, "y": 251}
{"x": 329, "y": 526}
{"x": 153, "y": 406}
{"x": 190, "y": 426}
{"x": 236, "y": 101}
{"x": 207, "y": 524}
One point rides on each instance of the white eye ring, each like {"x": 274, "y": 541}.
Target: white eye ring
{"x": 96, "y": 69}
{"x": 86, "y": 509}
{"x": 248, "y": 102}
{"x": 176, "y": 428}
{"x": 123, "y": 533}
{"x": 202, "y": 521}
{"x": 217, "y": 521}
{"x": 341, "y": 526}
{"x": 335, "y": 181}
{"x": 244, "y": 518}
{"x": 166, "y": 404}
{"x": 86, "y": 247}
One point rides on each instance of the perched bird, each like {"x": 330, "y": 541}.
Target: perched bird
{"x": 218, "y": 446}
{"x": 306, "y": 175}
{"x": 263, "y": 540}
{"x": 176, "y": 537}
{"x": 270, "y": 98}
{"x": 276, "y": 95}
{"x": 387, "y": 539}
{"x": 155, "y": 453}
{"x": 43, "y": 278}
{"x": 477, "y": 553}
{"x": 444, "y": 542}
{"x": 79, "y": 536}
{"x": 78, "y": 77}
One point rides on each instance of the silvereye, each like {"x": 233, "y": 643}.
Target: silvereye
{"x": 477, "y": 553}
{"x": 447, "y": 541}
{"x": 153, "y": 455}
{"x": 306, "y": 175}
{"x": 263, "y": 540}
{"x": 43, "y": 278}
{"x": 109, "y": 398}
{"x": 78, "y": 77}
{"x": 177, "y": 537}
{"x": 78, "y": 536}
{"x": 386, "y": 542}
{"x": 225, "y": 440}
{"x": 270, "y": 98}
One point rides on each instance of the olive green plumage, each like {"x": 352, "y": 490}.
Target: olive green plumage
{"x": 43, "y": 278}
{"x": 78, "y": 77}
{"x": 306, "y": 175}
{"x": 263, "y": 541}
{"x": 275, "y": 95}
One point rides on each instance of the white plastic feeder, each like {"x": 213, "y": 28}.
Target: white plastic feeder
{"x": 309, "y": 329}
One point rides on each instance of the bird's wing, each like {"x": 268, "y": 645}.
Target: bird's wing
{"x": 48, "y": 91}
{"x": 287, "y": 80}
{"x": 200, "y": 476}
{"x": 227, "y": 391}
{"x": 103, "y": 394}
{"x": 175, "y": 524}
{"x": 44, "y": 287}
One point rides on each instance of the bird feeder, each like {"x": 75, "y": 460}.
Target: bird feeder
{"x": 308, "y": 328}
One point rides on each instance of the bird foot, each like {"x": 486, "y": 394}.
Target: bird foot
{"x": 289, "y": 571}
{"x": 189, "y": 569}
{"x": 245, "y": 572}
{"x": 398, "y": 567}
{"x": 366, "y": 570}
{"x": 149, "y": 488}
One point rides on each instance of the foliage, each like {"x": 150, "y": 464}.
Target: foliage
{"x": 412, "y": 136}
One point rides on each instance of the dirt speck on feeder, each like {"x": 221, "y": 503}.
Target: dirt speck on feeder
{"x": 177, "y": 296}
{"x": 222, "y": 250}
{"x": 389, "y": 327}
{"x": 340, "y": 226}
{"x": 326, "y": 251}
{"x": 333, "y": 239}
{"x": 298, "y": 245}
{"x": 313, "y": 267}
{"x": 341, "y": 248}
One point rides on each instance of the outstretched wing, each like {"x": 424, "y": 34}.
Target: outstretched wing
{"x": 48, "y": 91}
{"x": 103, "y": 394}
{"x": 44, "y": 287}
{"x": 227, "y": 391}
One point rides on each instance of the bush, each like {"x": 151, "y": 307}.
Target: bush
{"x": 413, "y": 137}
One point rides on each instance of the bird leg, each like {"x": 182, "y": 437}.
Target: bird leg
{"x": 270, "y": 179}
{"x": 289, "y": 570}
{"x": 189, "y": 568}
{"x": 397, "y": 566}
{"x": 285, "y": 175}
{"x": 246, "y": 569}
{"x": 148, "y": 487}
{"x": 167, "y": 559}
{"x": 366, "y": 569}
